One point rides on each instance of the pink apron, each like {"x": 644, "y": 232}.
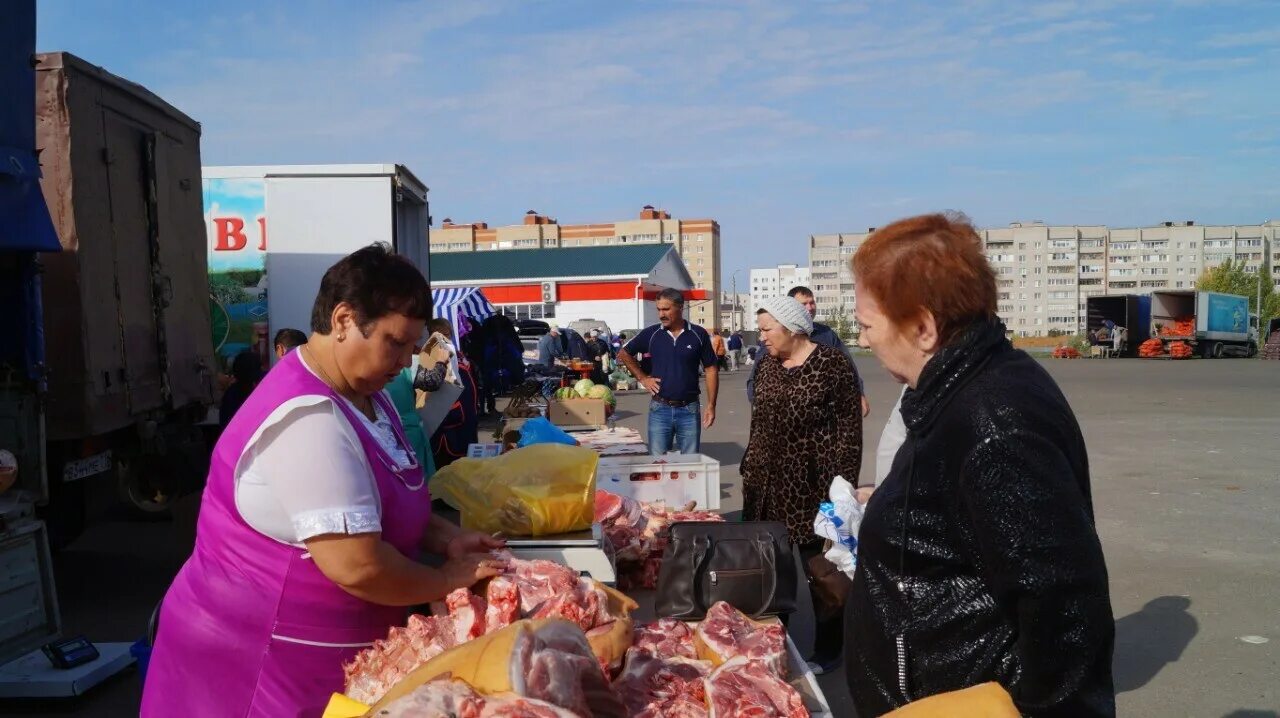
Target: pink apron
{"x": 250, "y": 626}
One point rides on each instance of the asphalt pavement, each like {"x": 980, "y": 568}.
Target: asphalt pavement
{"x": 1185, "y": 462}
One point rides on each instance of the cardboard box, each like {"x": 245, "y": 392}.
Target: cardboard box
{"x": 577, "y": 413}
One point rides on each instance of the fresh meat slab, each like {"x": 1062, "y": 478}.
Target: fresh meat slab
{"x": 666, "y": 637}
{"x": 375, "y": 670}
{"x": 555, "y": 664}
{"x": 456, "y": 699}
{"x": 503, "y": 598}
{"x": 538, "y": 580}
{"x": 654, "y": 684}
{"x": 468, "y": 613}
{"x": 745, "y": 687}
{"x": 726, "y": 632}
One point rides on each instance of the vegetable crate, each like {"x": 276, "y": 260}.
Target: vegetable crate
{"x": 676, "y": 479}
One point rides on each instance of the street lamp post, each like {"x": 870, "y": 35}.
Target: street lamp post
{"x": 734, "y": 318}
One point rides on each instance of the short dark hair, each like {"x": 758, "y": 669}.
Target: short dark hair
{"x": 375, "y": 282}
{"x": 798, "y": 290}
{"x": 290, "y": 338}
{"x": 440, "y": 325}
{"x": 675, "y": 296}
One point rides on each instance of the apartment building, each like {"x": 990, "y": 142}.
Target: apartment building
{"x": 1046, "y": 273}
{"x": 770, "y": 282}
{"x": 830, "y": 272}
{"x": 696, "y": 241}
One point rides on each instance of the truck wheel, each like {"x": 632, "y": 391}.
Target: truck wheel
{"x": 143, "y": 498}
{"x": 1217, "y": 350}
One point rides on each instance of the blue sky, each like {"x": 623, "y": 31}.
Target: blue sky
{"x": 777, "y": 119}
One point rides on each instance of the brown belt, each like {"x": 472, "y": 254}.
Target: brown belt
{"x": 670, "y": 402}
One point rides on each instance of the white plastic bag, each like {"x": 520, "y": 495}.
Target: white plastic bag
{"x": 838, "y": 521}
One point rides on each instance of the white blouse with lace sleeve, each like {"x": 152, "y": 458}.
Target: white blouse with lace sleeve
{"x": 305, "y": 473}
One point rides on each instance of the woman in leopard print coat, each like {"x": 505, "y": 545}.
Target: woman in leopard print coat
{"x": 806, "y": 429}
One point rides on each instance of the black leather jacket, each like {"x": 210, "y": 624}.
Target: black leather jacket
{"x": 1001, "y": 575}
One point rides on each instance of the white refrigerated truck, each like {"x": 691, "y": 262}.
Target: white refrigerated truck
{"x": 274, "y": 230}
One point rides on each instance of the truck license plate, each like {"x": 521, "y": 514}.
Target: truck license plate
{"x": 84, "y": 468}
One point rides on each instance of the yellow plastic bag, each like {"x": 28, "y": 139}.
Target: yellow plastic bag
{"x": 538, "y": 490}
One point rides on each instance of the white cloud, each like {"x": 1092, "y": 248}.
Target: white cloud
{"x": 1265, "y": 36}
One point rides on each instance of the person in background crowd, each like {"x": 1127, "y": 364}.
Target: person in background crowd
{"x": 822, "y": 334}
{"x": 460, "y": 427}
{"x": 978, "y": 557}
{"x": 598, "y": 348}
{"x": 735, "y": 350}
{"x": 674, "y": 349}
{"x": 246, "y": 374}
{"x": 313, "y": 517}
{"x": 287, "y": 340}
{"x": 550, "y": 348}
{"x": 751, "y": 353}
{"x": 718, "y": 348}
{"x": 806, "y": 429}
{"x": 425, "y": 373}
{"x": 618, "y": 341}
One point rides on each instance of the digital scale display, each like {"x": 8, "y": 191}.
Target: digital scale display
{"x": 70, "y": 653}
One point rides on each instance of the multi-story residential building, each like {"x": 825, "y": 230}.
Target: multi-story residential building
{"x": 771, "y": 282}
{"x": 1046, "y": 273}
{"x": 697, "y": 241}
{"x": 830, "y": 273}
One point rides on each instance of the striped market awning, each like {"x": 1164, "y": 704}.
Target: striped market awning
{"x": 455, "y": 302}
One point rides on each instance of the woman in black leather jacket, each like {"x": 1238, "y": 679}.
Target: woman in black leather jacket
{"x": 978, "y": 559}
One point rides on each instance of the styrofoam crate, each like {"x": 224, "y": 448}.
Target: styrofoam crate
{"x": 676, "y": 479}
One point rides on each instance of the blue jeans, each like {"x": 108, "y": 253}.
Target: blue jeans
{"x": 675, "y": 427}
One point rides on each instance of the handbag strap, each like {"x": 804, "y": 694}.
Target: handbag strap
{"x": 769, "y": 561}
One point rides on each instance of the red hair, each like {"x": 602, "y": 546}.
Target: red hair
{"x": 933, "y": 263}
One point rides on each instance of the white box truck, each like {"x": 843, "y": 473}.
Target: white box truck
{"x": 274, "y": 230}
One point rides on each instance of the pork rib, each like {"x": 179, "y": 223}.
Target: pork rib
{"x": 373, "y": 671}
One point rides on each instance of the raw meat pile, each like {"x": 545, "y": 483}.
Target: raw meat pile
{"x": 664, "y": 675}
{"x": 638, "y": 533}
{"x": 528, "y": 589}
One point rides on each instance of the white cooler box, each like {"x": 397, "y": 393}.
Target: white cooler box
{"x": 676, "y": 479}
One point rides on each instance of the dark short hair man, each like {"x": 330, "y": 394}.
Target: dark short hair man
{"x": 287, "y": 340}
{"x": 675, "y": 349}
{"x": 822, "y": 334}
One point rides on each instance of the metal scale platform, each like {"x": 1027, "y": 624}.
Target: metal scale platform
{"x": 587, "y": 552}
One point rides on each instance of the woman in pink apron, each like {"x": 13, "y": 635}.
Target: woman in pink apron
{"x": 313, "y": 515}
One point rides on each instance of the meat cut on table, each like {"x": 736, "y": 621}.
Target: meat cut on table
{"x": 456, "y": 699}
{"x": 666, "y": 637}
{"x": 747, "y": 687}
{"x": 555, "y": 664}
{"x": 375, "y": 670}
{"x": 527, "y": 589}
{"x": 659, "y": 685}
{"x": 726, "y": 633}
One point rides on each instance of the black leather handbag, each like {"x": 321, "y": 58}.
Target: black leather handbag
{"x": 751, "y": 565}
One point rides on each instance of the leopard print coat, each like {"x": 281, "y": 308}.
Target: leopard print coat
{"x": 806, "y": 429}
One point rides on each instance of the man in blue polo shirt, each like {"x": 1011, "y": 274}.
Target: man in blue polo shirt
{"x": 675, "y": 349}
